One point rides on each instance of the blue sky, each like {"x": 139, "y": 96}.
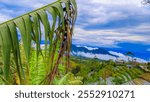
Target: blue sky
{"x": 104, "y": 23}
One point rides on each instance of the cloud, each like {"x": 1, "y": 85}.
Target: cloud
{"x": 100, "y": 22}
{"x": 148, "y": 49}
{"x": 106, "y": 56}
{"x": 13, "y": 8}
{"x": 90, "y": 55}
{"x": 124, "y": 57}
{"x": 137, "y": 30}
{"x": 33, "y": 4}
{"x": 4, "y": 18}
{"x": 87, "y": 47}
{"x": 118, "y": 2}
{"x": 109, "y": 22}
{"x": 104, "y": 11}
{"x": 110, "y": 37}
{"x": 117, "y": 54}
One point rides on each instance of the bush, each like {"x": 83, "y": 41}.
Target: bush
{"x": 148, "y": 65}
{"x": 76, "y": 70}
{"x": 118, "y": 81}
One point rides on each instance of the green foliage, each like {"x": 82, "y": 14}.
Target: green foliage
{"x": 118, "y": 81}
{"x": 95, "y": 71}
{"x": 68, "y": 79}
{"x": 37, "y": 71}
{"x": 31, "y": 66}
{"x": 76, "y": 70}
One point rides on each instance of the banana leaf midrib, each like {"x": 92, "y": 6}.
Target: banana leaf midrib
{"x": 29, "y": 12}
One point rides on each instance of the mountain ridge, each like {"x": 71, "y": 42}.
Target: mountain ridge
{"x": 97, "y": 50}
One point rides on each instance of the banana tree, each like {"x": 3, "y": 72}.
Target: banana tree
{"x": 57, "y": 36}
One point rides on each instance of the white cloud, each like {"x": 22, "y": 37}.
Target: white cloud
{"x": 4, "y": 18}
{"x": 8, "y": 13}
{"x": 117, "y": 54}
{"x": 109, "y": 37}
{"x": 106, "y": 56}
{"x": 118, "y": 2}
{"x": 90, "y": 55}
{"x": 103, "y": 11}
{"x": 124, "y": 57}
{"x": 87, "y": 47}
{"x": 28, "y": 3}
{"x": 129, "y": 38}
{"x": 141, "y": 29}
{"x": 23, "y": 6}
{"x": 106, "y": 17}
{"x": 95, "y": 12}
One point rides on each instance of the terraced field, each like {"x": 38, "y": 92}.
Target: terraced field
{"x": 0, "y": 65}
{"x": 137, "y": 81}
{"x": 132, "y": 76}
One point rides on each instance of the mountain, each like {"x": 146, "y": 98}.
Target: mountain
{"x": 86, "y": 49}
{"x": 91, "y": 50}
{"x": 106, "y": 53}
{"x": 101, "y": 53}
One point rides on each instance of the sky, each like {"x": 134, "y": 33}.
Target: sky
{"x": 118, "y": 24}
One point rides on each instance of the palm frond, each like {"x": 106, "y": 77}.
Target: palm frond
{"x": 57, "y": 39}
